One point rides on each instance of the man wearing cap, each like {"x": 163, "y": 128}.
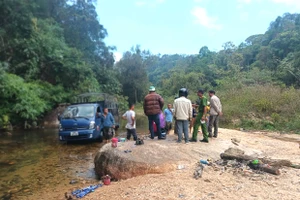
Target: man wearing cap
{"x": 153, "y": 104}
{"x": 201, "y": 118}
{"x": 215, "y": 112}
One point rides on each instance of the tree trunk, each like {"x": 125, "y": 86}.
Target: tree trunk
{"x": 228, "y": 156}
{"x": 135, "y": 95}
{"x": 270, "y": 170}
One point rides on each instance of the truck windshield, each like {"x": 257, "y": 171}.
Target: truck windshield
{"x": 77, "y": 111}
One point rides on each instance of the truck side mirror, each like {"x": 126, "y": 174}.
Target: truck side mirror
{"x": 58, "y": 117}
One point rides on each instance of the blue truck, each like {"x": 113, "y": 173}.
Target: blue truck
{"x": 81, "y": 120}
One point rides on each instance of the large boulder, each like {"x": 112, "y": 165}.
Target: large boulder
{"x": 50, "y": 120}
{"x": 159, "y": 156}
{"x": 130, "y": 160}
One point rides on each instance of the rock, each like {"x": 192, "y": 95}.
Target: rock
{"x": 6, "y": 196}
{"x": 151, "y": 158}
{"x": 235, "y": 151}
{"x": 235, "y": 154}
{"x": 73, "y": 182}
{"x": 13, "y": 191}
{"x": 180, "y": 167}
{"x": 235, "y": 141}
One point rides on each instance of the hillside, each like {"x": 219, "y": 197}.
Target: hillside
{"x": 54, "y": 50}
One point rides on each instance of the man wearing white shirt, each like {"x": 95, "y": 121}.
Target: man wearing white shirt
{"x": 215, "y": 112}
{"x": 130, "y": 126}
{"x": 183, "y": 114}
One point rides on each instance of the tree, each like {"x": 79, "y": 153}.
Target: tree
{"x": 204, "y": 51}
{"x": 133, "y": 75}
{"x": 49, "y": 51}
{"x": 289, "y": 71}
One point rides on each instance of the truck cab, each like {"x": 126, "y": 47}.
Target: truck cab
{"x": 82, "y": 121}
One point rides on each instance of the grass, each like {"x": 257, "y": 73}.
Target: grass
{"x": 261, "y": 107}
{"x": 256, "y": 107}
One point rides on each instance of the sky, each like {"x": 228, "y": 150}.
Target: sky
{"x": 184, "y": 26}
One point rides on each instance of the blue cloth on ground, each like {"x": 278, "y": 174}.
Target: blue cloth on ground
{"x": 82, "y": 192}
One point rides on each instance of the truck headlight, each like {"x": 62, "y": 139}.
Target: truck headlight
{"x": 60, "y": 127}
{"x": 92, "y": 125}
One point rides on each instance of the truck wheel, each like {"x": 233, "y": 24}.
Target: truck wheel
{"x": 101, "y": 139}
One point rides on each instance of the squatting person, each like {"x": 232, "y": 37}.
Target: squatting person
{"x": 169, "y": 117}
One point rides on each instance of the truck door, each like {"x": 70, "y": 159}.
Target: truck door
{"x": 97, "y": 120}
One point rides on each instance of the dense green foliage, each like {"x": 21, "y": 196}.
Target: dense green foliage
{"x": 133, "y": 75}
{"x": 50, "y": 51}
{"x": 53, "y": 50}
{"x": 272, "y": 57}
{"x": 258, "y": 80}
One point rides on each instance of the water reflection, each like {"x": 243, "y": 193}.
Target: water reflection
{"x": 33, "y": 160}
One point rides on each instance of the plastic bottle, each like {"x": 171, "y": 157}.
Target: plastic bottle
{"x": 106, "y": 180}
{"x": 255, "y": 162}
{"x": 180, "y": 167}
{"x": 205, "y": 162}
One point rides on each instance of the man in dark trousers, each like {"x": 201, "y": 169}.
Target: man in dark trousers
{"x": 108, "y": 122}
{"x": 215, "y": 112}
{"x": 153, "y": 104}
{"x": 183, "y": 114}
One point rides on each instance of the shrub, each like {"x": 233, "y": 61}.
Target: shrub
{"x": 272, "y": 107}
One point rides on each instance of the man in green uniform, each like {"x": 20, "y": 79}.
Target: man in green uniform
{"x": 201, "y": 118}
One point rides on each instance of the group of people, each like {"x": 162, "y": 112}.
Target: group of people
{"x": 184, "y": 114}
{"x": 108, "y": 122}
{"x": 183, "y": 111}
{"x": 215, "y": 111}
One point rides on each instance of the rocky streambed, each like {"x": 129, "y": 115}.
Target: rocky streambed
{"x": 164, "y": 169}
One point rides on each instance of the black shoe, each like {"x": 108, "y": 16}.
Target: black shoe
{"x": 206, "y": 141}
{"x": 215, "y": 136}
{"x": 162, "y": 138}
{"x": 151, "y": 137}
{"x": 193, "y": 140}
{"x": 210, "y": 136}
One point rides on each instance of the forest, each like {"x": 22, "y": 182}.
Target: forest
{"x": 51, "y": 51}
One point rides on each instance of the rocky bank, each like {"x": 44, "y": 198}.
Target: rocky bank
{"x": 160, "y": 156}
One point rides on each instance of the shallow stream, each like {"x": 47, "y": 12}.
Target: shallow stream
{"x": 31, "y": 161}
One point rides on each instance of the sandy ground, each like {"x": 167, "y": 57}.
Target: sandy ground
{"x": 214, "y": 184}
